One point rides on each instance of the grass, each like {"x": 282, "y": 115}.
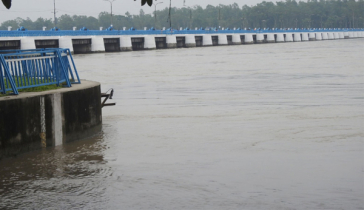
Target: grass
{"x": 33, "y": 89}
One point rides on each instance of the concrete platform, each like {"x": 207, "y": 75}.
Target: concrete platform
{"x": 31, "y": 121}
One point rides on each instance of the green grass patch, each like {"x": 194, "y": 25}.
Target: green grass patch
{"x": 31, "y": 81}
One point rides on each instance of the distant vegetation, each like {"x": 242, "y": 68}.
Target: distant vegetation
{"x": 283, "y": 14}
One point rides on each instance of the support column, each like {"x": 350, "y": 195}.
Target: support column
{"x": 280, "y": 37}
{"x": 66, "y": 42}
{"x": 27, "y": 43}
{"x": 305, "y": 37}
{"x": 171, "y": 41}
{"x": 260, "y": 38}
{"x": 330, "y": 36}
{"x": 297, "y": 37}
{"x": 288, "y": 38}
{"x": 206, "y": 40}
{"x": 222, "y": 39}
{"x": 270, "y": 38}
{"x": 325, "y": 36}
{"x": 149, "y": 42}
{"x": 190, "y": 41}
{"x": 125, "y": 43}
{"x": 249, "y": 39}
{"x": 318, "y": 36}
{"x": 236, "y": 39}
{"x": 312, "y": 36}
{"x": 97, "y": 44}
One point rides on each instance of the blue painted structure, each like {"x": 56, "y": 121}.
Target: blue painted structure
{"x": 163, "y": 32}
{"x": 21, "y": 69}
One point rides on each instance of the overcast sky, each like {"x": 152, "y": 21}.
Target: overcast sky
{"x": 44, "y": 8}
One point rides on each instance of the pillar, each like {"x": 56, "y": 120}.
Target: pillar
{"x": 66, "y": 42}
{"x": 249, "y": 39}
{"x": 190, "y": 40}
{"x": 97, "y": 44}
{"x": 149, "y": 42}
{"x": 236, "y": 39}
{"x": 27, "y": 43}
{"x": 206, "y": 40}
{"x": 223, "y": 39}
{"x": 270, "y": 38}
{"x": 171, "y": 41}
{"x": 125, "y": 43}
{"x": 280, "y": 37}
{"x": 288, "y": 38}
{"x": 260, "y": 38}
{"x": 305, "y": 37}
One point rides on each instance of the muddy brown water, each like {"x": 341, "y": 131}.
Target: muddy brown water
{"x": 271, "y": 126}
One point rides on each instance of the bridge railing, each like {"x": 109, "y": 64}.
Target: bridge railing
{"x": 20, "y": 69}
{"x": 160, "y": 32}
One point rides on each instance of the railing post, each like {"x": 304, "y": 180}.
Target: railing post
{"x": 63, "y": 68}
{"x": 8, "y": 76}
{"x": 2, "y": 85}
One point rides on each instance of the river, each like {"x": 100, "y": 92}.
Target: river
{"x": 270, "y": 126}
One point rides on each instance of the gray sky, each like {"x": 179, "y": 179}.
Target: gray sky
{"x": 44, "y": 8}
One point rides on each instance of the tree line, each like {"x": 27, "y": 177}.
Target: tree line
{"x": 283, "y": 14}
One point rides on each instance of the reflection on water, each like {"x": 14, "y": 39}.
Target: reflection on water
{"x": 67, "y": 176}
{"x": 275, "y": 126}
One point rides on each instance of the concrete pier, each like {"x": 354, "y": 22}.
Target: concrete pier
{"x": 96, "y": 44}
{"x": 330, "y": 36}
{"x": 270, "y": 38}
{"x": 190, "y": 41}
{"x": 312, "y": 37}
{"x": 318, "y": 36}
{"x": 206, "y": 40}
{"x": 149, "y": 42}
{"x": 260, "y": 38}
{"x": 236, "y": 40}
{"x": 31, "y": 121}
{"x": 222, "y": 39}
{"x": 288, "y": 37}
{"x": 297, "y": 37}
{"x": 171, "y": 41}
{"x": 325, "y": 36}
{"x": 125, "y": 43}
{"x": 280, "y": 37}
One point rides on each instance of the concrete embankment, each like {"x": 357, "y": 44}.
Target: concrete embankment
{"x": 31, "y": 121}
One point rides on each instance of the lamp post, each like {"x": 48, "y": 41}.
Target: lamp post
{"x": 111, "y": 1}
{"x": 54, "y": 13}
{"x": 169, "y": 15}
{"x": 296, "y": 22}
{"x": 155, "y": 13}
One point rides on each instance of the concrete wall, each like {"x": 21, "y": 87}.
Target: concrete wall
{"x": 31, "y": 121}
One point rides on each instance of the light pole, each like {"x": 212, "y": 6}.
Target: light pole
{"x": 169, "y": 15}
{"x": 155, "y": 13}
{"x": 190, "y": 11}
{"x": 111, "y": 1}
{"x": 54, "y": 13}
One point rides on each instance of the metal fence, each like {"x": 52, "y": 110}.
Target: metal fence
{"x": 20, "y": 69}
{"x": 164, "y": 32}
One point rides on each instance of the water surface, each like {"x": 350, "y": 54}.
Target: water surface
{"x": 271, "y": 126}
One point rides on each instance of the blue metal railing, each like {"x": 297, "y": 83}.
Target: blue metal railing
{"x": 163, "y": 32}
{"x": 20, "y": 69}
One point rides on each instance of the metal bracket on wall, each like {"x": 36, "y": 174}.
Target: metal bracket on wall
{"x": 107, "y": 96}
